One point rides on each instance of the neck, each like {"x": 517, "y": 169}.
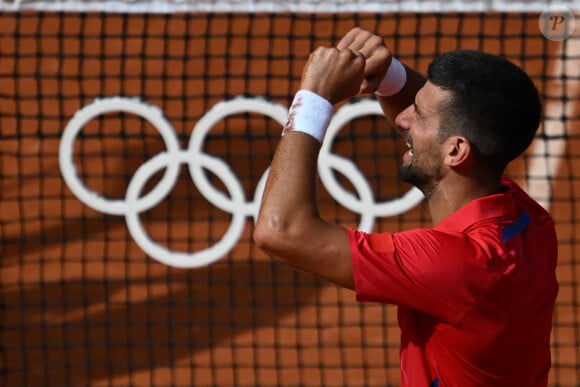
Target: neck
{"x": 450, "y": 194}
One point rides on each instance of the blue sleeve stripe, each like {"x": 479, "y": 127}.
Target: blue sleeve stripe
{"x": 515, "y": 228}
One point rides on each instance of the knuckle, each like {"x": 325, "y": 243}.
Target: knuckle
{"x": 376, "y": 40}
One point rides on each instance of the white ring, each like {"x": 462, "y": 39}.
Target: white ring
{"x": 220, "y": 168}
{"x": 160, "y": 253}
{"x": 118, "y": 104}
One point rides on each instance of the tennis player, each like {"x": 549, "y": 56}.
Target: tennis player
{"x": 475, "y": 292}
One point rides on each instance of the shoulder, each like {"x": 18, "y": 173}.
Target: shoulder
{"x": 525, "y": 202}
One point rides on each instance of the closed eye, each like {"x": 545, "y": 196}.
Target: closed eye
{"x": 416, "y": 108}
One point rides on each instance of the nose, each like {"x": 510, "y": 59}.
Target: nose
{"x": 403, "y": 119}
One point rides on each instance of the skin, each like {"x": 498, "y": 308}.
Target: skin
{"x": 289, "y": 227}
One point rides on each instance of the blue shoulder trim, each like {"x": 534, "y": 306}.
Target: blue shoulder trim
{"x": 515, "y": 228}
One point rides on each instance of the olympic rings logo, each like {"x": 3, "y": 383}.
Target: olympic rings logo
{"x": 197, "y": 161}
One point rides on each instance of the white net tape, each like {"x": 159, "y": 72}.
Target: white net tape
{"x": 308, "y": 6}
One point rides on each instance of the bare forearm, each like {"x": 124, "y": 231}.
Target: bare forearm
{"x": 289, "y": 227}
{"x": 290, "y": 192}
{"x": 395, "y": 104}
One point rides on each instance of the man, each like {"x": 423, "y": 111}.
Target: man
{"x": 476, "y": 292}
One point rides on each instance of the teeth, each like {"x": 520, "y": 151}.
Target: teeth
{"x": 408, "y": 145}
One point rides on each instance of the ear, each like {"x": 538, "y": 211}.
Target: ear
{"x": 457, "y": 151}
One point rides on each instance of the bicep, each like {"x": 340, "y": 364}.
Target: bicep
{"x": 325, "y": 253}
{"x": 316, "y": 247}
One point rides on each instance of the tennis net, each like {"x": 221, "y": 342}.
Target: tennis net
{"x": 134, "y": 141}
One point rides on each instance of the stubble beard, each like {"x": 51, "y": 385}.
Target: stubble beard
{"x": 417, "y": 177}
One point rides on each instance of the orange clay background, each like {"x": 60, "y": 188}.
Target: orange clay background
{"x": 83, "y": 305}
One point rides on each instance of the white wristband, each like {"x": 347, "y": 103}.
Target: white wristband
{"x": 394, "y": 80}
{"x": 310, "y": 114}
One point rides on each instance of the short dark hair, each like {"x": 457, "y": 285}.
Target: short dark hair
{"x": 493, "y": 103}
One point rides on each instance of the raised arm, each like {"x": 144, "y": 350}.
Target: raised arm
{"x": 289, "y": 227}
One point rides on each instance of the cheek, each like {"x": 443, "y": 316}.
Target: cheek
{"x": 428, "y": 155}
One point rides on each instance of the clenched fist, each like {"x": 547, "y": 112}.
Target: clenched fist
{"x": 372, "y": 47}
{"x": 334, "y": 74}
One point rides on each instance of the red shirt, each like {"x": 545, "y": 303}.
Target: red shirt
{"x": 475, "y": 293}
